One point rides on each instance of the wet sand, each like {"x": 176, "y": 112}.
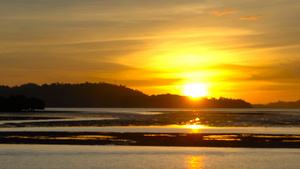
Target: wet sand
{"x": 153, "y": 139}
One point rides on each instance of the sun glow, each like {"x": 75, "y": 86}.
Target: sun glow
{"x": 195, "y": 90}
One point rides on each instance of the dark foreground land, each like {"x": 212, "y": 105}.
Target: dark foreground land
{"x": 152, "y": 139}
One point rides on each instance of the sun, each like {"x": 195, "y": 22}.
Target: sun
{"x": 195, "y": 90}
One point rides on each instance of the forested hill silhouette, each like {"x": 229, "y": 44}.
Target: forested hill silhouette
{"x": 110, "y": 95}
{"x": 279, "y": 104}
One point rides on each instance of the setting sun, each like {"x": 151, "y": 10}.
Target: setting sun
{"x": 195, "y": 90}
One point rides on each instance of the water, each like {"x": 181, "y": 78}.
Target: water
{"x": 163, "y": 129}
{"x": 94, "y": 157}
{"x": 53, "y": 120}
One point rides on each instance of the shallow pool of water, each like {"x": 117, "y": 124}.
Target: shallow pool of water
{"x": 87, "y": 157}
{"x": 166, "y": 129}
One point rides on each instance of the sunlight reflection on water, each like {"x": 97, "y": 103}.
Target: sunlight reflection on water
{"x": 195, "y": 162}
{"x": 195, "y": 127}
{"x": 165, "y": 129}
{"x": 79, "y": 157}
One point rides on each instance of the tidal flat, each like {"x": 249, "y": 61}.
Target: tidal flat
{"x": 148, "y": 127}
{"x": 150, "y": 138}
{"x": 153, "y": 139}
{"x": 149, "y": 117}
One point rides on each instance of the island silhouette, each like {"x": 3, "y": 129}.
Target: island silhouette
{"x": 110, "y": 95}
{"x": 280, "y": 105}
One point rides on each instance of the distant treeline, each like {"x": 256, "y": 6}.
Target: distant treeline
{"x": 20, "y": 103}
{"x": 110, "y": 95}
{"x": 279, "y": 104}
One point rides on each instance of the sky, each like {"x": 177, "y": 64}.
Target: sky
{"x": 246, "y": 49}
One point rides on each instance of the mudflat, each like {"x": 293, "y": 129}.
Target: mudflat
{"x": 207, "y": 118}
{"x": 104, "y": 119}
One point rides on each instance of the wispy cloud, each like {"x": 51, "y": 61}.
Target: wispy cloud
{"x": 225, "y": 11}
{"x": 199, "y": 12}
{"x": 255, "y": 17}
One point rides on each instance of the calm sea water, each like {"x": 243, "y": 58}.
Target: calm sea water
{"x": 94, "y": 157}
{"x": 164, "y": 129}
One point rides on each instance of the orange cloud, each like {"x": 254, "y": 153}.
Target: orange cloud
{"x": 251, "y": 17}
{"x": 226, "y": 11}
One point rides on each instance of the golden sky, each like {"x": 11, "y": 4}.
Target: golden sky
{"x": 245, "y": 49}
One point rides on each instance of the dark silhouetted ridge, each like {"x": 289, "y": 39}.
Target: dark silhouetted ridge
{"x": 110, "y": 95}
{"x": 279, "y": 104}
